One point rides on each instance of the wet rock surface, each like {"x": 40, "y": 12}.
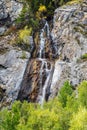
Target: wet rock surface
{"x": 44, "y": 47}
{"x": 36, "y": 83}
{"x": 34, "y": 80}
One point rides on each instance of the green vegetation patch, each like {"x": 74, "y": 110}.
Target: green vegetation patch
{"x": 84, "y": 56}
{"x": 71, "y": 2}
{"x": 35, "y": 10}
{"x": 68, "y": 111}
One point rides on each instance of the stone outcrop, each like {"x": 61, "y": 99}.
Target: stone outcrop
{"x": 69, "y": 35}
{"x": 13, "y": 62}
{"x": 9, "y": 11}
{"x": 67, "y": 46}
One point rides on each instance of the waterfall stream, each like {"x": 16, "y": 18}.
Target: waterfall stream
{"x": 47, "y": 81}
{"x": 48, "y": 70}
{"x": 46, "y": 30}
{"x": 36, "y": 83}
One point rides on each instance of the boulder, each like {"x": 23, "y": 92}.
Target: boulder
{"x": 13, "y": 63}
{"x": 9, "y": 11}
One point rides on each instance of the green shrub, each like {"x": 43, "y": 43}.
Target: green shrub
{"x": 27, "y": 116}
{"x": 64, "y": 92}
{"x": 82, "y": 93}
{"x": 53, "y": 115}
{"x": 74, "y": 2}
{"x": 23, "y": 56}
{"x": 84, "y": 56}
{"x": 35, "y": 10}
{"x": 79, "y": 120}
{"x": 24, "y": 34}
{"x": 72, "y": 103}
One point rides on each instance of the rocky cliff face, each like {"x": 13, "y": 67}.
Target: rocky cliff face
{"x": 9, "y": 11}
{"x": 59, "y": 56}
{"x": 65, "y": 51}
{"x": 69, "y": 35}
{"x": 13, "y": 60}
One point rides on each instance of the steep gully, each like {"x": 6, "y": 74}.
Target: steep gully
{"x": 37, "y": 79}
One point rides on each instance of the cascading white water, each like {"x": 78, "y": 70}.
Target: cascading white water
{"x": 42, "y": 42}
{"x": 44, "y": 63}
{"x": 44, "y": 67}
{"x": 36, "y": 83}
{"x": 48, "y": 74}
{"x": 43, "y": 39}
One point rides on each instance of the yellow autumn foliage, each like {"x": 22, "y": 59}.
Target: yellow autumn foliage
{"x": 42, "y": 8}
{"x": 24, "y": 34}
{"x": 79, "y": 120}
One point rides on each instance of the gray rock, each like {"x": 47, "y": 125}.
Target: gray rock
{"x": 69, "y": 34}
{"x": 12, "y": 69}
{"x": 2, "y": 30}
{"x": 9, "y": 11}
{"x": 73, "y": 72}
{"x": 11, "y": 7}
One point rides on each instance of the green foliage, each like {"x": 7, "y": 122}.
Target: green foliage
{"x": 64, "y": 93}
{"x": 24, "y": 34}
{"x": 79, "y": 120}
{"x": 40, "y": 13}
{"x": 27, "y": 16}
{"x": 72, "y": 103}
{"x": 34, "y": 10}
{"x": 23, "y": 40}
{"x": 74, "y": 2}
{"x": 9, "y": 119}
{"x": 82, "y": 93}
{"x": 23, "y": 56}
{"x": 53, "y": 115}
{"x": 84, "y": 56}
{"x": 28, "y": 117}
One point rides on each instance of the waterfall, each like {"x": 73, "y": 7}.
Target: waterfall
{"x": 36, "y": 83}
{"x": 46, "y": 30}
{"x": 47, "y": 81}
{"x": 44, "y": 66}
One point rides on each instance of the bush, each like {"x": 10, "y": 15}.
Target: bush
{"x": 27, "y": 116}
{"x": 53, "y": 115}
{"x": 64, "y": 92}
{"x": 24, "y": 34}
{"x": 79, "y": 120}
{"x": 72, "y": 103}
{"x": 42, "y": 8}
{"x": 82, "y": 93}
{"x": 23, "y": 56}
{"x": 84, "y": 56}
{"x": 41, "y": 12}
